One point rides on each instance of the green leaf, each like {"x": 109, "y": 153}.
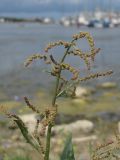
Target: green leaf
{"x": 24, "y": 131}
{"x": 68, "y": 152}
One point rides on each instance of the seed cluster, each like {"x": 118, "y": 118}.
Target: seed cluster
{"x": 89, "y": 39}
{"x": 96, "y": 75}
{"x": 71, "y": 69}
{"x": 55, "y": 73}
{"x": 59, "y": 43}
{"x": 78, "y": 52}
{"x": 106, "y": 151}
{"x": 37, "y": 56}
{"x": 80, "y": 35}
{"x": 34, "y": 109}
{"x": 86, "y": 35}
{"x": 50, "y": 113}
{"x": 64, "y": 66}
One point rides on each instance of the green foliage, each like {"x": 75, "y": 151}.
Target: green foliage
{"x": 68, "y": 152}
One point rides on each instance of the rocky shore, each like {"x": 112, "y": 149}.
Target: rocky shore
{"x": 92, "y": 117}
{"x": 84, "y": 133}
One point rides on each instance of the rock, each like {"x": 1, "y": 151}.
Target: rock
{"x": 67, "y": 118}
{"x": 84, "y": 139}
{"x": 79, "y": 126}
{"x": 83, "y": 91}
{"x": 108, "y": 85}
{"x": 108, "y": 116}
{"x": 29, "y": 120}
{"x": 80, "y": 101}
{"x": 76, "y": 140}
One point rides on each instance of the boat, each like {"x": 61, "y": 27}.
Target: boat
{"x": 95, "y": 23}
{"x": 81, "y": 20}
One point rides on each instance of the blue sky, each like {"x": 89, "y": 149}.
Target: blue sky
{"x": 52, "y": 5}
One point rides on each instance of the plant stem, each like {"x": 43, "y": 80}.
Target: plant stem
{"x": 48, "y": 142}
{"x": 48, "y": 138}
{"x": 50, "y": 126}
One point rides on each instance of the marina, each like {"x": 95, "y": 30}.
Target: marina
{"x": 97, "y": 19}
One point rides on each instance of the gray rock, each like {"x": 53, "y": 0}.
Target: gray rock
{"x": 29, "y": 120}
{"x": 84, "y": 91}
{"x": 79, "y": 126}
{"x": 108, "y": 116}
{"x": 108, "y": 85}
{"x": 78, "y": 140}
{"x": 67, "y": 118}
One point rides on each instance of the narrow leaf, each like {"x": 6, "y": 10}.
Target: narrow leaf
{"x": 68, "y": 152}
{"x": 24, "y": 130}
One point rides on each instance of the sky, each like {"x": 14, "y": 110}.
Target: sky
{"x": 14, "y": 6}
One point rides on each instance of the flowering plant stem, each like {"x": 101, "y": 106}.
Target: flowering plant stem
{"x": 48, "y": 139}
{"x": 62, "y": 85}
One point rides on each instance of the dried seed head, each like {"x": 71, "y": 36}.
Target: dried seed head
{"x": 79, "y": 35}
{"x": 87, "y": 62}
{"x": 87, "y": 36}
{"x": 106, "y": 151}
{"x": 96, "y": 75}
{"x": 36, "y": 56}
{"x": 71, "y": 69}
{"x": 59, "y": 43}
{"x": 52, "y": 115}
{"x": 85, "y": 56}
{"x": 94, "y": 52}
{"x": 34, "y": 109}
{"x": 89, "y": 39}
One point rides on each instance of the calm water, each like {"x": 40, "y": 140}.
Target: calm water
{"x": 17, "y": 41}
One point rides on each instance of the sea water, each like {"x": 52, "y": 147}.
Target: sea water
{"x": 19, "y": 40}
